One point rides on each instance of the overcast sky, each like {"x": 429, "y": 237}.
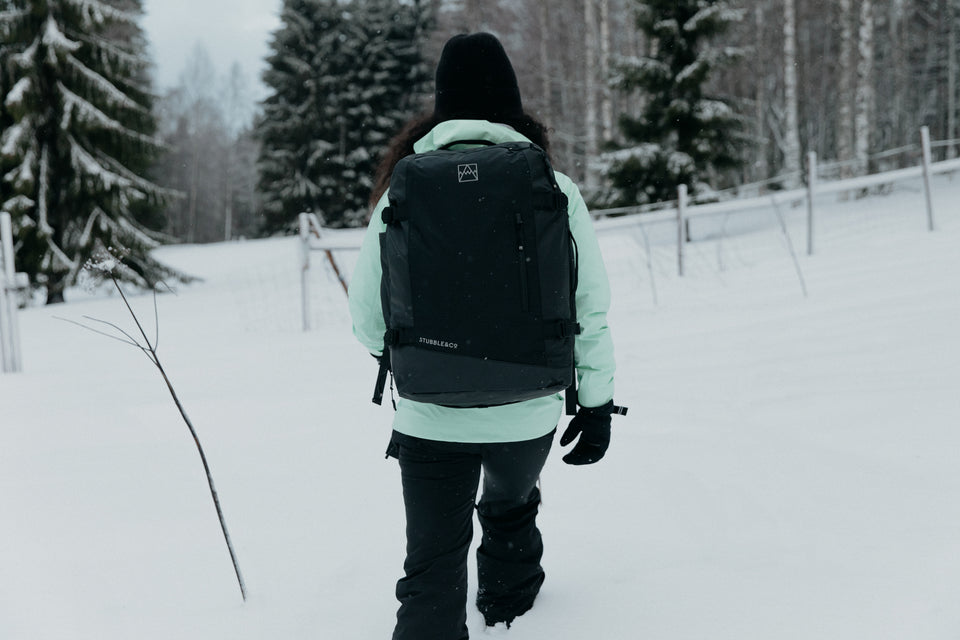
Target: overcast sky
{"x": 231, "y": 30}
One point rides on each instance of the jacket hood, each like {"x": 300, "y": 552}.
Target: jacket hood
{"x": 453, "y": 130}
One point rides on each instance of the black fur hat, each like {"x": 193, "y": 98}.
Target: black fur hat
{"x": 475, "y": 80}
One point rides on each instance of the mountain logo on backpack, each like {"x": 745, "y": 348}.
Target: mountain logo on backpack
{"x": 467, "y": 173}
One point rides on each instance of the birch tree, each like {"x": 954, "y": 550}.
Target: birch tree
{"x": 791, "y": 134}
{"x": 590, "y": 47}
{"x": 864, "y": 99}
{"x": 845, "y": 86}
{"x": 80, "y": 139}
{"x": 953, "y": 17}
{"x": 606, "y": 100}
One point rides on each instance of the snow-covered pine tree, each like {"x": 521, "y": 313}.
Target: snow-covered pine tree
{"x": 344, "y": 77}
{"x": 78, "y": 139}
{"x": 683, "y": 135}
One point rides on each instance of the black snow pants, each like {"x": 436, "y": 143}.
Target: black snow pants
{"x": 440, "y": 482}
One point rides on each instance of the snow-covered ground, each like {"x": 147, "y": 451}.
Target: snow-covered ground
{"x": 789, "y": 468}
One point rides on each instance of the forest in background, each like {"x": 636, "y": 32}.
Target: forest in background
{"x": 866, "y": 75}
{"x": 92, "y": 158}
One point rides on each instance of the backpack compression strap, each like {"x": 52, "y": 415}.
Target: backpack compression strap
{"x": 384, "y": 361}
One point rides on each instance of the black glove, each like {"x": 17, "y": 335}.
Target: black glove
{"x": 593, "y": 427}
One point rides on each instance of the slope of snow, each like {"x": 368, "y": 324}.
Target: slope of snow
{"x": 789, "y": 467}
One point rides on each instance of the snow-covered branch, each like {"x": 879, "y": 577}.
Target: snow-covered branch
{"x": 143, "y": 185}
{"x": 22, "y": 175}
{"x": 8, "y": 18}
{"x": 106, "y": 88}
{"x": 104, "y": 46}
{"x": 17, "y": 93}
{"x": 95, "y": 13}
{"x": 13, "y": 139}
{"x": 720, "y": 13}
{"x": 26, "y": 57}
{"x": 83, "y": 162}
{"x": 54, "y": 38}
{"x": 43, "y": 192}
{"x": 18, "y": 204}
{"x": 83, "y": 110}
{"x": 643, "y": 153}
{"x": 57, "y": 254}
{"x": 627, "y": 70}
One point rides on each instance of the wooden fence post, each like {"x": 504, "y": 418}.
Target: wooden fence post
{"x": 681, "y": 215}
{"x": 9, "y": 327}
{"x": 305, "y": 269}
{"x": 927, "y": 161}
{"x": 811, "y": 186}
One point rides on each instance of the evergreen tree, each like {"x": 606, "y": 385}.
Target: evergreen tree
{"x": 78, "y": 139}
{"x": 344, "y": 77}
{"x": 682, "y": 135}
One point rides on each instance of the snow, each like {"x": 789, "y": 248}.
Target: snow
{"x": 13, "y": 136}
{"x": 645, "y": 153}
{"x": 95, "y": 13}
{"x": 83, "y": 162}
{"x": 718, "y": 13}
{"x": 17, "y": 92}
{"x": 788, "y": 469}
{"x": 55, "y": 40}
{"x": 77, "y": 107}
{"x": 627, "y": 67}
{"x": 44, "y": 190}
{"x": 707, "y": 110}
{"x": 107, "y": 88}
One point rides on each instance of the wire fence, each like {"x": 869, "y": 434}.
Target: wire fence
{"x": 690, "y": 237}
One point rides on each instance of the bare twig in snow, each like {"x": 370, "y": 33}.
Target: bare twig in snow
{"x": 105, "y": 265}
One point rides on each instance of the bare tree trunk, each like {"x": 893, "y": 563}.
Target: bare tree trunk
{"x": 606, "y": 100}
{"x": 791, "y": 145}
{"x": 543, "y": 17}
{"x": 194, "y": 195}
{"x": 864, "y": 101}
{"x": 952, "y": 77}
{"x": 760, "y": 164}
{"x": 590, "y": 93}
{"x": 228, "y": 197}
{"x": 845, "y": 87}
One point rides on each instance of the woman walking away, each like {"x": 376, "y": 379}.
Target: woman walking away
{"x": 453, "y": 424}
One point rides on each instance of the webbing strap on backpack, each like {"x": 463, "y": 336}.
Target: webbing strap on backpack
{"x": 382, "y": 372}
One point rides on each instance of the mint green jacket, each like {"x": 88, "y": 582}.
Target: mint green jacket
{"x": 593, "y": 349}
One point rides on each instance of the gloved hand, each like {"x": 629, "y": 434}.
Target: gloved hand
{"x": 592, "y": 424}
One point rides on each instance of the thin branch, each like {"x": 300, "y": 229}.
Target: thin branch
{"x": 130, "y": 309}
{"x": 102, "y": 333}
{"x": 151, "y": 351}
{"x": 128, "y": 336}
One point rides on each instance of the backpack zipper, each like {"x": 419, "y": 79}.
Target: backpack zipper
{"x": 524, "y": 297}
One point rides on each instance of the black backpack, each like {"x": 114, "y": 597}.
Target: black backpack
{"x": 479, "y": 277}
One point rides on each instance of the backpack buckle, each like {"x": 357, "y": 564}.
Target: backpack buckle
{"x": 567, "y": 329}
